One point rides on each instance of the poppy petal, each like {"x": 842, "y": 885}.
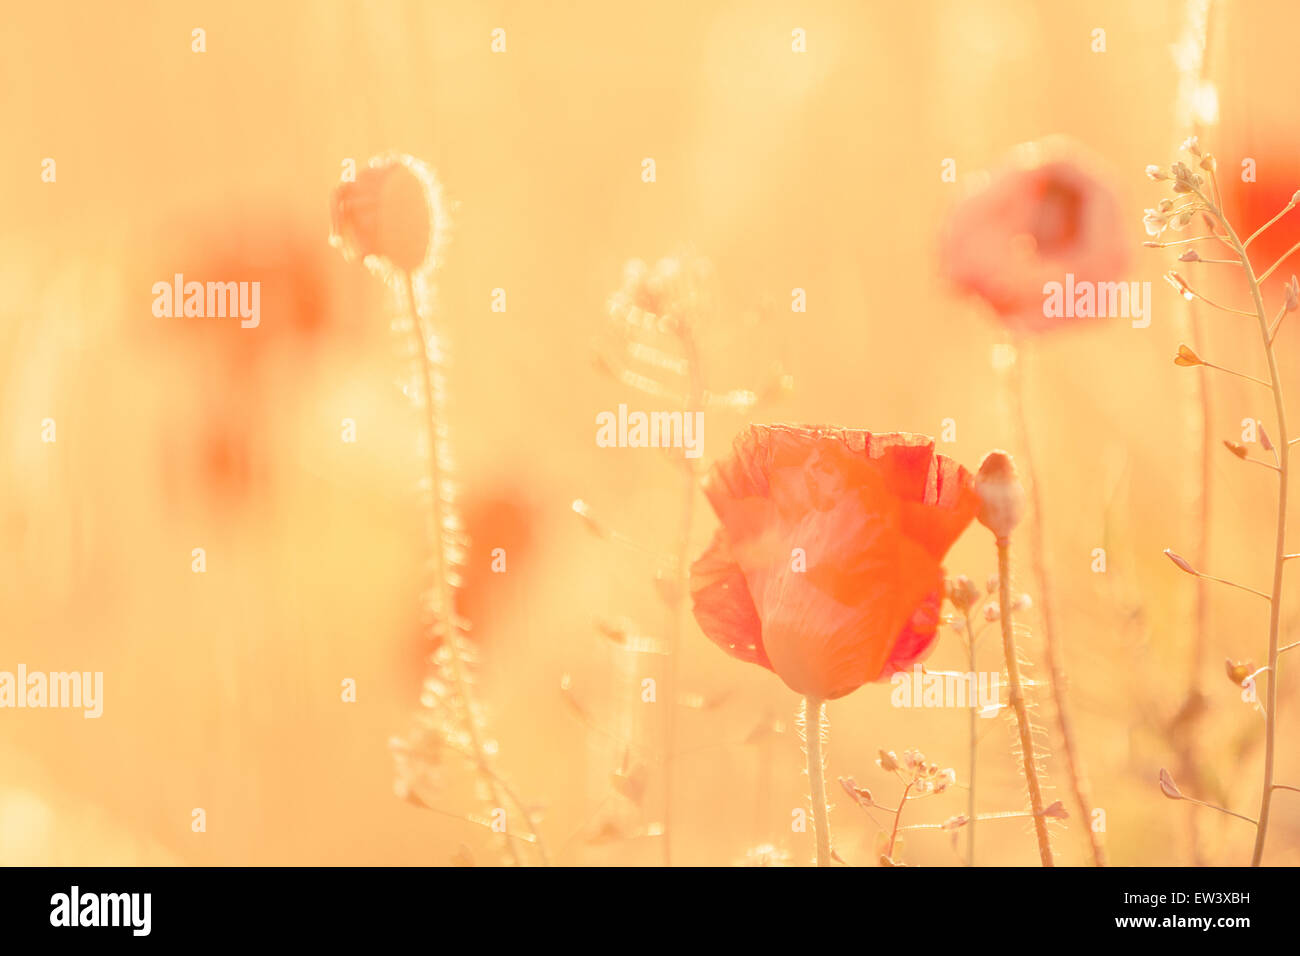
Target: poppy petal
{"x": 917, "y": 638}
{"x": 723, "y": 606}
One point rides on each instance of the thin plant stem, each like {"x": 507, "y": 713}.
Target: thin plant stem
{"x": 1260, "y": 231}
{"x": 1193, "y": 704}
{"x": 1249, "y": 378}
{"x": 898, "y": 816}
{"x": 1055, "y": 663}
{"x": 681, "y": 582}
{"x": 1018, "y": 703}
{"x": 1234, "y": 584}
{"x": 1215, "y": 806}
{"x": 1279, "y": 550}
{"x": 446, "y": 604}
{"x": 974, "y": 741}
{"x": 813, "y": 709}
{"x": 1202, "y": 422}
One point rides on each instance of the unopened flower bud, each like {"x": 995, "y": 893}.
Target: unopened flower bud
{"x": 389, "y": 212}
{"x": 1236, "y": 448}
{"x": 1002, "y": 496}
{"x": 963, "y": 593}
{"x": 1186, "y": 357}
{"x": 1293, "y": 294}
{"x": 992, "y": 612}
{"x": 1191, "y": 255}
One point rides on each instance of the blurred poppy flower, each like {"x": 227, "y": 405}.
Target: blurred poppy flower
{"x": 1251, "y": 203}
{"x": 826, "y": 568}
{"x": 1046, "y": 212}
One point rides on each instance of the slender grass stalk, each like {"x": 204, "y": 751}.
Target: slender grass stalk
{"x": 1051, "y": 639}
{"x": 677, "y": 606}
{"x": 813, "y": 716}
{"x": 1193, "y": 702}
{"x": 1283, "y": 446}
{"x": 974, "y": 742}
{"x": 1018, "y": 703}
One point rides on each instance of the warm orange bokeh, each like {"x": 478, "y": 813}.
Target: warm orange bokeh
{"x": 817, "y": 171}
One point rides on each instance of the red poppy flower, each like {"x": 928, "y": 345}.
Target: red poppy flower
{"x": 826, "y": 568}
{"x": 1045, "y": 213}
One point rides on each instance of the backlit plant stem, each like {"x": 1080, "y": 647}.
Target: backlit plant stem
{"x": 1055, "y": 663}
{"x": 1192, "y": 705}
{"x": 974, "y": 740}
{"x": 898, "y": 816}
{"x": 1283, "y": 446}
{"x": 812, "y": 728}
{"x": 446, "y": 603}
{"x": 1018, "y": 703}
{"x": 681, "y": 583}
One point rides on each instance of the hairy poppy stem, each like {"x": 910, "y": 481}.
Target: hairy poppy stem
{"x": 446, "y": 603}
{"x": 1055, "y": 661}
{"x": 1018, "y": 703}
{"x": 813, "y": 710}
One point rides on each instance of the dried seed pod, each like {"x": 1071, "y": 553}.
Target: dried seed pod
{"x": 1168, "y": 787}
{"x": 1238, "y": 671}
{"x": 1181, "y": 562}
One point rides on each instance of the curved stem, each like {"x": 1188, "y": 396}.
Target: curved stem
{"x": 1018, "y": 703}
{"x": 446, "y": 601}
{"x": 1055, "y": 662}
{"x": 812, "y": 728}
{"x": 1283, "y": 446}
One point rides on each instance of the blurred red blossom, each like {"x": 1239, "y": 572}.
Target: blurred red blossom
{"x": 1045, "y": 212}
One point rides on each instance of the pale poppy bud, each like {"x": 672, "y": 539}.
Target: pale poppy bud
{"x": 1001, "y": 495}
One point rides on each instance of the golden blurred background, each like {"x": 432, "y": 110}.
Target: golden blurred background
{"x": 819, "y": 170}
